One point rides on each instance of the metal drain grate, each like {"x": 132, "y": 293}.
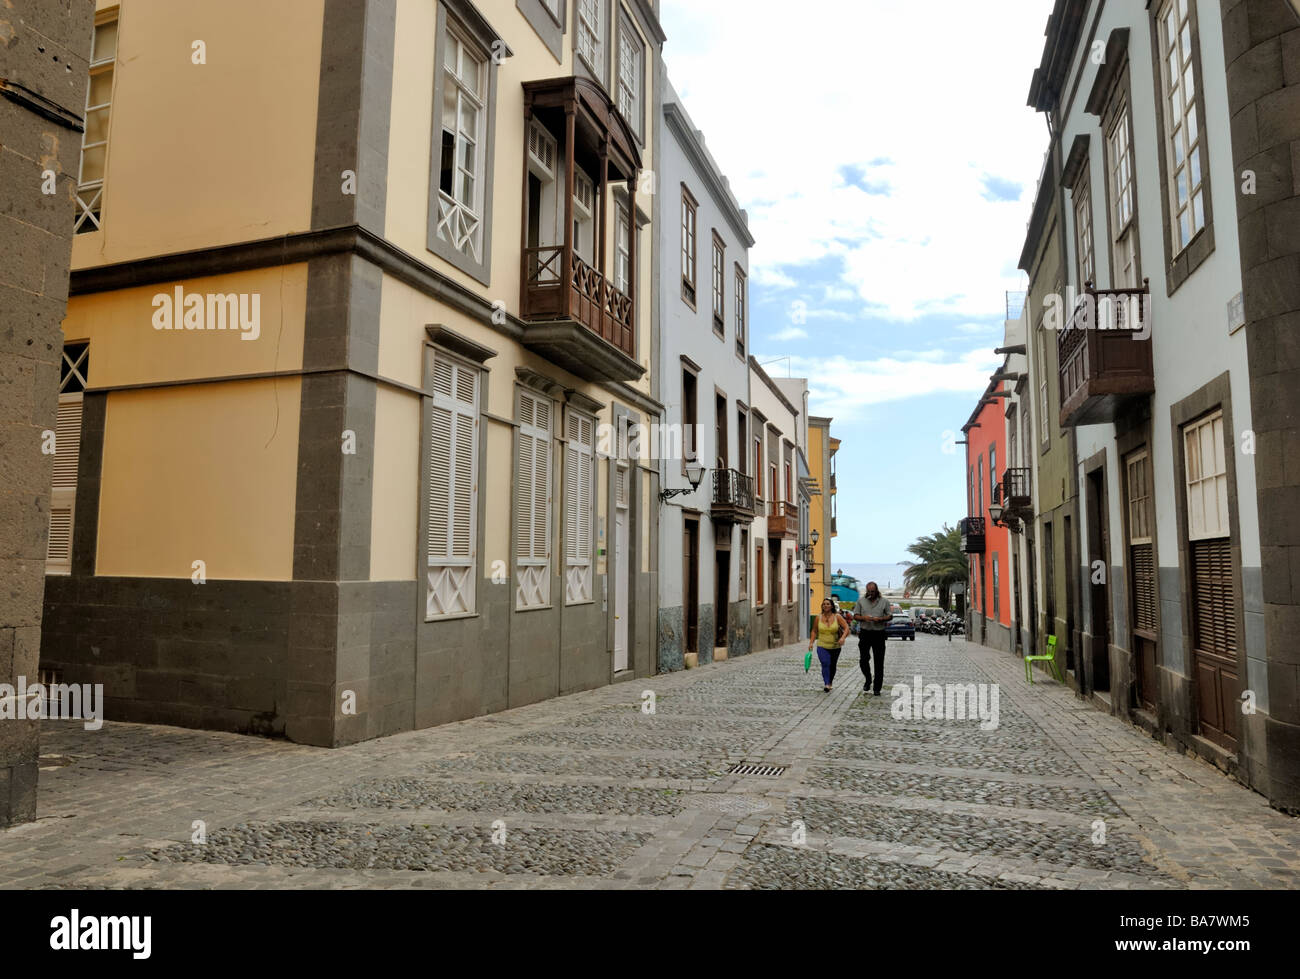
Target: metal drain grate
{"x": 757, "y": 771}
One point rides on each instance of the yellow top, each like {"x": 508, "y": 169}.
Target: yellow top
{"x": 828, "y": 636}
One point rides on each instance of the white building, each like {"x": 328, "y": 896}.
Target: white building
{"x": 704, "y": 532}
{"x": 778, "y": 580}
{"x": 1171, "y": 598}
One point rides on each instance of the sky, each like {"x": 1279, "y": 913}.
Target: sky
{"x": 888, "y": 162}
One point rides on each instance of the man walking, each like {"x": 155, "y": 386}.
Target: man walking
{"x": 874, "y": 612}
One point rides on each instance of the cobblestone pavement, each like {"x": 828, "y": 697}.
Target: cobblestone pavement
{"x": 590, "y": 791}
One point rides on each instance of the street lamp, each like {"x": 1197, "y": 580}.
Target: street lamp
{"x": 996, "y": 510}
{"x": 694, "y": 473}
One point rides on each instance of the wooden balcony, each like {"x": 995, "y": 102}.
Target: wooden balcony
{"x": 573, "y": 314}
{"x": 587, "y": 327}
{"x": 972, "y": 535}
{"x": 783, "y": 520}
{"x": 1104, "y": 355}
{"x": 733, "y": 497}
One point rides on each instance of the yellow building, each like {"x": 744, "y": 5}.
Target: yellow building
{"x": 822, "y": 447}
{"x": 361, "y": 303}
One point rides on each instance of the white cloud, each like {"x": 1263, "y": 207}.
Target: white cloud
{"x": 933, "y": 243}
{"x": 852, "y": 386}
{"x": 790, "y": 333}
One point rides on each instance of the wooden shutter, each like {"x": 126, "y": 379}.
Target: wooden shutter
{"x": 1144, "y": 587}
{"x": 1214, "y": 621}
{"x": 63, "y": 495}
{"x": 452, "y": 488}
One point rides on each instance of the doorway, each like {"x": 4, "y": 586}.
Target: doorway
{"x": 721, "y": 604}
{"x": 620, "y": 591}
{"x": 1099, "y": 578}
{"x": 691, "y": 583}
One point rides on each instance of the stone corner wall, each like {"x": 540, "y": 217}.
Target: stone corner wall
{"x": 45, "y": 58}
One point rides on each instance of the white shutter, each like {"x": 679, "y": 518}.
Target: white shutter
{"x": 533, "y": 500}
{"x": 63, "y": 494}
{"x": 579, "y": 495}
{"x": 1206, "y": 479}
{"x": 452, "y": 488}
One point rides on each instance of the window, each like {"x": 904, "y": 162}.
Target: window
{"x": 533, "y": 500}
{"x": 993, "y": 472}
{"x": 1043, "y": 380}
{"x": 689, "y": 249}
{"x": 758, "y": 573}
{"x": 997, "y": 604}
{"x": 1120, "y": 151}
{"x": 720, "y": 434}
{"x": 742, "y": 439}
{"x": 758, "y": 461}
{"x": 553, "y": 8}
{"x": 789, "y": 576}
{"x": 622, "y": 250}
{"x": 979, "y": 472}
{"x": 1083, "y": 232}
{"x": 73, "y": 373}
{"x": 631, "y": 74}
{"x": 1139, "y": 498}
{"x": 591, "y": 35}
{"x": 740, "y": 312}
{"x": 94, "y": 141}
{"x": 690, "y": 417}
{"x": 453, "y": 488}
{"x": 462, "y": 171}
{"x": 584, "y": 216}
{"x": 579, "y": 505}
{"x": 1182, "y": 136}
{"x": 719, "y": 287}
{"x": 1207, "y": 479}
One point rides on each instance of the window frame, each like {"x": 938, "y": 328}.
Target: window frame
{"x": 1181, "y": 260}
{"x": 594, "y": 63}
{"x": 742, "y": 310}
{"x": 574, "y": 451}
{"x": 437, "y": 566}
{"x": 1085, "y": 244}
{"x": 627, "y": 32}
{"x": 74, "y": 377}
{"x": 1118, "y": 112}
{"x": 718, "y": 285}
{"x": 690, "y": 250}
{"x": 1200, "y": 530}
{"x": 524, "y": 564}
{"x": 477, "y": 265}
{"x": 92, "y": 213}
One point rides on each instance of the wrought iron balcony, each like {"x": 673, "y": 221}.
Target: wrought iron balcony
{"x": 733, "y": 497}
{"x": 1014, "y": 492}
{"x": 783, "y": 520}
{"x": 1104, "y": 354}
{"x": 972, "y": 535}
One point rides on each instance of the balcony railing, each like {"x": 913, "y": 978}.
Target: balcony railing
{"x": 590, "y": 299}
{"x": 1015, "y": 490}
{"x": 1104, "y": 354}
{"x": 972, "y": 535}
{"x": 783, "y": 520}
{"x": 733, "y": 496}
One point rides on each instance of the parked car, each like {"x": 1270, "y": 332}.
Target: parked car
{"x": 901, "y": 627}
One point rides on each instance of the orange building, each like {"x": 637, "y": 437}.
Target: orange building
{"x": 987, "y": 546}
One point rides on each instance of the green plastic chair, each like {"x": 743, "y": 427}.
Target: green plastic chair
{"x": 1049, "y": 658}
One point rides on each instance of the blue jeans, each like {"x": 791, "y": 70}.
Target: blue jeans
{"x": 828, "y": 659}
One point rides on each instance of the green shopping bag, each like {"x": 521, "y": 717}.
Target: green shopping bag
{"x": 807, "y": 661}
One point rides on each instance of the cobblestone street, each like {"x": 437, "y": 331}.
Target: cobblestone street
{"x": 589, "y": 791}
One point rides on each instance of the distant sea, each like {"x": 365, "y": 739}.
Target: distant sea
{"x": 884, "y": 575}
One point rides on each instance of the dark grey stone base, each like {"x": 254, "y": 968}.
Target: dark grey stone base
{"x": 707, "y": 636}
{"x": 739, "y": 628}
{"x": 671, "y": 631}
{"x": 19, "y": 750}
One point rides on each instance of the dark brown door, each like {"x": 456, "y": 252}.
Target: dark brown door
{"x": 1214, "y": 640}
{"x": 1098, "y": 578}
{"x": 691, "y": 584}
{"x": 722, "y": 605}
{"x": 1142, "y": 577}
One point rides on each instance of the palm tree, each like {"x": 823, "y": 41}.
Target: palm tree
{"x": 940, "y": 564}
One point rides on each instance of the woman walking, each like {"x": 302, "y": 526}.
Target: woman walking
{"x": 829, "y": 630}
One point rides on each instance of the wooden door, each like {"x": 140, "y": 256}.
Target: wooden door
{"x": 1142, "y": 578}
{"x": 691, "y": 583}
{"x": 722, "y": 596}
{"x": 1098, "y": 580}
{"x": 1214, "y": 641}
